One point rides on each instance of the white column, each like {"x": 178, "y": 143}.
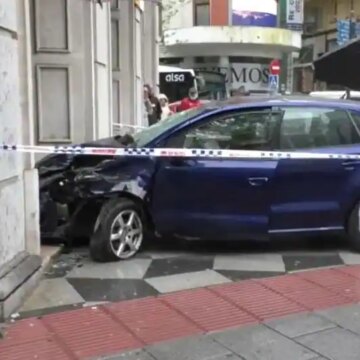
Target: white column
{"x": 224, "y": 62}
{"x": 103, "y": 70}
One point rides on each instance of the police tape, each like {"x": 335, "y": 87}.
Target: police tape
{"x": 173, "y": 152}
{"x": 131, "y": 126}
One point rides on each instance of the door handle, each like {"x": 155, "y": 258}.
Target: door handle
{"x": 177, "y": 162}
{"x": 258, "y": 181}
{"x": 351, "y": 163}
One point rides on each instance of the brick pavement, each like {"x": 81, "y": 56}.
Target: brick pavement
{"x": 151, "y": 322}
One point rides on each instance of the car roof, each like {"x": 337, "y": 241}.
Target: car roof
{"x": 280, "y": 100}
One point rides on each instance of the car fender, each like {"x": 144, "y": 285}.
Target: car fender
{"x": 132, "y": 176}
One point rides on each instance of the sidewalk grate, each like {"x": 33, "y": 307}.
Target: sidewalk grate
{"x": 43, "y": 349}
{"x": 89, "y": 332}
{"x": 151, "y": 320}
{"x": 208, "y": 310}
{"x": 258, "y": 300}
{"x": 335, "y": 281}
{"x": 24, "y": 331}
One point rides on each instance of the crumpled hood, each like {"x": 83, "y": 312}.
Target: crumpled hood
{"x": 55, "y": 163}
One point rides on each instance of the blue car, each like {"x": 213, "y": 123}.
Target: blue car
{"x": 119, "y": 202}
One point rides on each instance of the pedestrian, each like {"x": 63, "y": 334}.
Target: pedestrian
{"x": 192, "y": 101}
{"x": 155, "y": 115}
{"x": 165, "y": 109}
{"x": 148, "y": 108}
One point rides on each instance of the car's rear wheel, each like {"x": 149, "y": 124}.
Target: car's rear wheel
{"x": 354, "y": 227}
{"x": 119, "y": 231}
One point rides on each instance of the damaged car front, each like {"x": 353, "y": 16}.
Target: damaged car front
{"x": 105, "y": 198}
{"x": 73, "y": 188}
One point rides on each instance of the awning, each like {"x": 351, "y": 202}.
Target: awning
{"x": 340, "y": 66}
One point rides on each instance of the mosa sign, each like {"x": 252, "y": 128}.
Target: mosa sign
{"x": 254, "y": 77}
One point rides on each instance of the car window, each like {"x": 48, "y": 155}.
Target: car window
{"x": 316, "y": 127}
{"x": 143, "y": 137}
{"x": 244, "y": 130}
{"x": 356, "y": 117}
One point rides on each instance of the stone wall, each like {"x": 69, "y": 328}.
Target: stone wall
{"x": 12, "y": 223}
{"x": 19, "y": 227}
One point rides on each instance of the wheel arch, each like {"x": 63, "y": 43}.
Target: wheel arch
{"x": 349, "y": 211}
{"x": 141, "y": 202}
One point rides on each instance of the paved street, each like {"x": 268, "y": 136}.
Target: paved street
{"x": 309, "y": 315}
{"x": 75, "y": 281}
{"x": 329, "y": 334}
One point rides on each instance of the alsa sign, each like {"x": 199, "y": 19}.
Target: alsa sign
{"x": 175, "y": 77}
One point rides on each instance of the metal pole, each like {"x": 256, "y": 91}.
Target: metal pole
{"x": 352, "y": 20}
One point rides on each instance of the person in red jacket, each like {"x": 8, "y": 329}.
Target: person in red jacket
{"x": 192, "y": 101}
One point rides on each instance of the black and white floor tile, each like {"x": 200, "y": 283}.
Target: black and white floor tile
{"x": 74, "y": 280}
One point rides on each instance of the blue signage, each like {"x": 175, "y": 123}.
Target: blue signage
{"x": 343, "y": 31}
{"x": 274, "y": 82}
{"x": 347, "y": 30}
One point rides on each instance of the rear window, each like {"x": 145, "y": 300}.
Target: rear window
{"x": 317, "y": 127}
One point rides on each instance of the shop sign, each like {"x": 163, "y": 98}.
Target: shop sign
{"x": 295, "y": 12}
{"x": 254, "y": 13}
{"x": 253, "y": 77}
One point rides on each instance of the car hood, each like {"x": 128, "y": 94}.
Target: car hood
{"x": 55, "y": 163}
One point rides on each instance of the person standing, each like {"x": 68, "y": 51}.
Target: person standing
{"x": 155, "y": 115}
{"x": 148, "y": 108}
{"x": 165, "y": 109}
{"x": 192, "y": 101}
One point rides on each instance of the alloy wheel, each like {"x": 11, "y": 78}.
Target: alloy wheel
{"x": 126, "y": 234}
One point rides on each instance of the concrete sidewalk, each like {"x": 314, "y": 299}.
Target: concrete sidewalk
{"x": 331, "y": 334}
{"x": 239, "y": 320}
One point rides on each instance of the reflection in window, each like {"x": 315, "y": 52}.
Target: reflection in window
{"x": 311, "y": 127}
{"x": 241, "y": 131}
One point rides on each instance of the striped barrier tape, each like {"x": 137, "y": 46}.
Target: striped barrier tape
{"x": 123, "y": 125}
{"x": 164, "y": 152}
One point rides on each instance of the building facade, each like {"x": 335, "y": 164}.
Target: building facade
{"x": 70, "y": 71}
{"x": 236, "y": 37}
{"x": 323, "y": 32}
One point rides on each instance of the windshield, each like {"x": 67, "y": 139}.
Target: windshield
{"x": 142, "y": 138}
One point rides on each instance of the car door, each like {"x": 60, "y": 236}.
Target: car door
{"x": 216, "y": 197}
{"x": 312, "y": 195}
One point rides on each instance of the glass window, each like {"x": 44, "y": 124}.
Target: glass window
{"x": 237, "y": 131}
{"x": 143, "y": 137}
{"x": 356, "y": 117}
{"x": 316, "y": 127}
{"x": 202, "y": 12}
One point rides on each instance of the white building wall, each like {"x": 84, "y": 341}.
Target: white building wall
{"x": 12, "y": 215}
{"x": 103, "y": 75}
{"x": 135, "y": 63}
{"x": 19, "y": 227}
{"x": 177, "y": 14}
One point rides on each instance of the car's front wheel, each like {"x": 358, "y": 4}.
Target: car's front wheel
{"x": 119, "y": 231}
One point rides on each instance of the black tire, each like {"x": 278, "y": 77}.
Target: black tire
{"x": 100, "y": 247}
{"x": 354, "y": 228}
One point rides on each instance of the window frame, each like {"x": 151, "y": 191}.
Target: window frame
{"x": 347, "y": 112}
{"x": 199, "y": 3}
{"x": 274, "y": 142}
